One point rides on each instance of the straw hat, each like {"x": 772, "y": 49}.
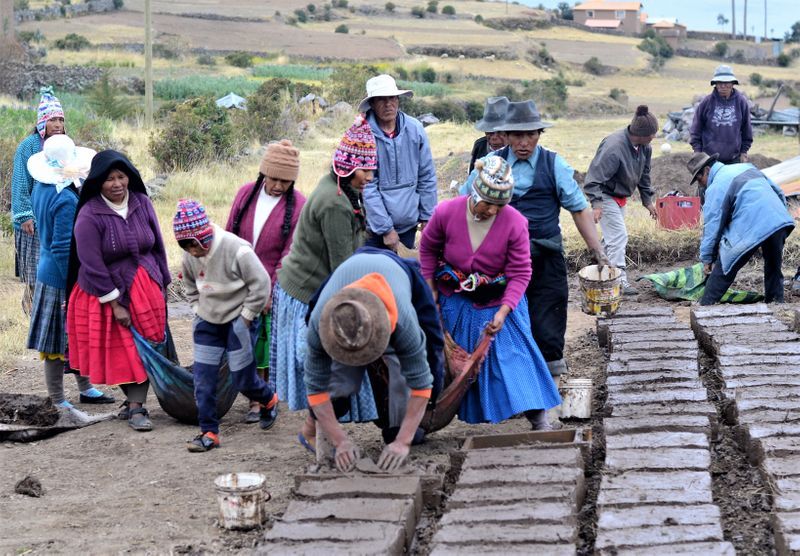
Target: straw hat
{"x": 354, "y": 327}
{"x": 61, "y": 163}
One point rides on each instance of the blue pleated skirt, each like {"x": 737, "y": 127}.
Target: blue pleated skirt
{"x": 288, "y": 354}
{"x": 514, "y": 376}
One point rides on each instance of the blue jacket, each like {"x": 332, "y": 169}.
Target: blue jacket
{"x": 403, "y": 192}
{"x": 21, "y": 180}
{"x": 742, "y": 209}
{"x": 55, "y": 214}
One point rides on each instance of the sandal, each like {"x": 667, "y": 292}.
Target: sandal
{"x": 203, "y": 442}
{"x": 138, "y": 420}
{"x": 305, "y": 443}
{"x": 252, "y": 416}
{"x": 124, "y": 411}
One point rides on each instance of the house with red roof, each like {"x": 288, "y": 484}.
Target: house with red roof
{"x": 627, "y": 17}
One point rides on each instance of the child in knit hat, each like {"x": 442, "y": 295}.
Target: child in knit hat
{"x": 228, "y": 289}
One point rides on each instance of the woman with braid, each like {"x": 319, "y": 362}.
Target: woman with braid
{"x": 331, "y": 227}
{"x": 265, "y": 213}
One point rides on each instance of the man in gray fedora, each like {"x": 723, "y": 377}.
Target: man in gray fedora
{"x": 544, "y": 184}
{"x": 494, "y": 113}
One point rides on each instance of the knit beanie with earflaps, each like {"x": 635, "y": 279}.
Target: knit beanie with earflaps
{"x": 49, "y": 107}
{"x": 357, "y": 149}
{"x": 191, "y": 222}
{"x": 281, "y": 161}
{"x": 494, "y": 182}
{"x": 643, "y": 124}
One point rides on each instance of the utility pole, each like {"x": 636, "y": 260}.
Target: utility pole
{"x": 766, "y": 37}
{"x": 733, "y": 19}
{"x": 745, "y": 20}
{"x": 148, "y": 65}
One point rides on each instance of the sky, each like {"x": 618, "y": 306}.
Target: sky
{"x": 701, "y": 15}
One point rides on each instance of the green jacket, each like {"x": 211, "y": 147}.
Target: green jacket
{"x": 326, "y": 234}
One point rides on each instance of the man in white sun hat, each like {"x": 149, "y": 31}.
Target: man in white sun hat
{"x": 403, "y": 194}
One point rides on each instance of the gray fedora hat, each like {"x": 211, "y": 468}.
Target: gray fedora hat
{"x": 354, "y": 327}
{"x": 494, "y": 112}
{"x": 522, "y": 116}
{"x": 698, "y": 162}
{"x": 724, "y": 74}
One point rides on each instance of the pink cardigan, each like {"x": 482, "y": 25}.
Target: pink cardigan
{"x": 271, "y": 247}
{"x": 506, "y": 248}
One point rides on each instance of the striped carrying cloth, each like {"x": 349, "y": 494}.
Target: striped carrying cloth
{"x": 690, "y": 283}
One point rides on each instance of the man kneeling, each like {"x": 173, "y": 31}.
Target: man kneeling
{"x": 366, "y": 312}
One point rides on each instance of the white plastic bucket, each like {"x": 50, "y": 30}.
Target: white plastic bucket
{"x": 576, "y": 398}
{"x": 242, "y": 499}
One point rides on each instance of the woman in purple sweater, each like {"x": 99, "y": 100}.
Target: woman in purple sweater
{"x": 475, "y": 252}
{"x": 117, "y": 278}
{"x": 265, "y": 213}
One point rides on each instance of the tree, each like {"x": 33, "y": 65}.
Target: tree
{"x": 389, "y": 6}
{"x": 794, "y": 36}
{"x": 433, "y": 6}
{"x": 565, "y": 11}
{"x": 106, "y": 100}
{"x": 342, "y": 29}
{"x": 449, "y": 10}
{"x": 722, "y": 21}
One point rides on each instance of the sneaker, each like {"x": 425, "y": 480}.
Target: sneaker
{"x": 796, "y": 285}
{"x": 269, "y": 413}
{"x": 95, "y": 396}
{"x": 203, "y": 442}
{"x": 627, "y": 289}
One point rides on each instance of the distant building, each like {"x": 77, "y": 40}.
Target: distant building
{"x": 622, "y": 16}
{"x": 669, "y": 28}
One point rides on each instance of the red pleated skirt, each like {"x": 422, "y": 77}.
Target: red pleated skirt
{"x": 101, "y": 348}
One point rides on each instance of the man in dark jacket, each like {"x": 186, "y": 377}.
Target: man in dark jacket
{"x": 721, "y": 123}
{"x": 494, "y": 112}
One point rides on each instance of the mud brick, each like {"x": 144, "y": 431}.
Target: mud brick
{"x": 286, "y": 548}
{"x": 787, "y": 360}
{"x": 776, "y": 392}
{"x": 689, "y": 548}
{"x": 503, "y": 549}
{"x": 634, "y": 387}
{"x": 787, "y": 543}
{"x": 533, "y": 493}
{"x": 722, "y": 333}
{"x": 390, "y": 537}
{"x": 757, "y": 417}
{"x": 666, "y": 395}
{"x": 779, "y": 467}
{"x": 789, "y": 484}
{"x": 614, "y": 367}
{"x": 634, "y": 311}
{"x": 767, "y": 430}
{"x": 750, "y": 371}
{"x": 756, "y": 338}
{"x": 638, "y": 487}
{"x": 372, "y": 487}
{"x": 540, "y": 512}
{"x": 754, "y": 321}
{"x": 509, "y": 475}
{"x": 787, "y": 501}
{"x": 751, "y": 404}
{"x": 653, "y": 378}
{"x": 689, "y": 355}
{"x": 649, "y": 423}
{"x": 680, "y": 346}
{"x": 654, "y": 516}
{"x": 783, "y": 348}
{"x": 658, "y": 458}
{"x": 773, "y": 380}
{"x": 712, "y": 311}
{"x": 660, "y": 534}
{"x": 780, "y": 446}
{"x": 664, "y": 410}
{"x": 677, "y": 335}
{"x": 656, "y": 440}
{"x": 512, "y": 457}
{"x": 491, "y": 533}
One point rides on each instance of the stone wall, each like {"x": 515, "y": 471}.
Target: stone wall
{"x": 24, "y": 80}
{"x": 56, "y": 11}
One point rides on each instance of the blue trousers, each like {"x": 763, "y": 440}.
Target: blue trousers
{"x": 407, "y": 238}
{"x": 211, "y": 342}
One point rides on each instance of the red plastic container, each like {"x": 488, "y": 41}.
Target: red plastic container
{"x": 675, "y": 213}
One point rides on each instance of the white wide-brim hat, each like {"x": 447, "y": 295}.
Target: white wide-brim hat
{"x": 60, "y": 162}
{"x": 382, "y": 86}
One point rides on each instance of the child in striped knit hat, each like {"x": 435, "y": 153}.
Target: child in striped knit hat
{"x": 228, "y": 289}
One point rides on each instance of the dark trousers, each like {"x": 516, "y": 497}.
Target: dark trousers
{"x": 211, "y": 342}
{"x": 547, "y": 295}
{"x": 407, "y": 238}
{"x": 772, "y": 250}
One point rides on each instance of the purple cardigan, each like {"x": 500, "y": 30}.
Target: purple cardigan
{"x": 111, "y": 249}
{"x": 271, "y": 247}
{"x": 506, "y": 248}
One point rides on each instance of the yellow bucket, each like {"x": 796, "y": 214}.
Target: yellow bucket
{"x": 600, "y": 291}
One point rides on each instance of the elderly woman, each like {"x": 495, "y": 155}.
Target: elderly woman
{"x": 475, "y": 256}
{"x": 117, "y": 280}
{"x": 331, "y": 228}
{"x": 265, "y": 213}
{"x": 57, "y": 172}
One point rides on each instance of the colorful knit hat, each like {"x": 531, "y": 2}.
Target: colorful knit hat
{"x": 356, "y": 150}
{"x": 191, "y": 222}
{"x": 49, "y": 107}
{"x": 281, "y": 161}
{"x": 494, "y": 182}
{"x": 644, "y": 124}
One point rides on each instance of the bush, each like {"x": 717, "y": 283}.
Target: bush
{"x": 756, "y": 79}
{"x": 426, "y": 74}
{"x": 794, "y": 53}
{"x": 542, "y": 58}
{"x": 783, "y": 60}
{"x": 389, "y": 6}
{"x": 301, "y": 15}
{"x": 617, "y": 94}
{"x": 21, "y": 5}
{"x": 720, "y": 49}
{"x": 342, "y": 29}
{"x": 206, "y": 60}
{"x": 738, "y": 56}
{"x": 550, "y": 94}
{"x": 107, "y": 101}
{"x": 418, "y": 11}
{"x": 449, "y": 10}
{"x": 433, "y": 6}
{"x": 401, "y": 73}
{"x": 565, "y": 11}
{"x": 479, "y": 19}
{"x": 593, "y": 66}
{"x": 118, "y": 4}
{"x": 311, "y": 8}
{"x": 240, "y": 59}
{"x": 196, "y": 131}
{"x": 474, "y": 110}
{"x": 271, "y": 108}
{"x": 339, "y": 3}
{"x": 72, "y": 41}
{"x": 166, "y": 51}
{"x": 655, "y": 45}
{"x": 348, "y": 83}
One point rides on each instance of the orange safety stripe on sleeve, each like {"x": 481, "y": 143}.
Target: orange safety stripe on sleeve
{"x": 422, "y": 393}
{"x": 316, "y": 399}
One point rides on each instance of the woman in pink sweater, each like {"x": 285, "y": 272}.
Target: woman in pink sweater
{"x": 265, "y": 213}
{"x": 475, "y": 252}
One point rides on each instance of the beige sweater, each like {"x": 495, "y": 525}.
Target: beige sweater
{"x": 229, "y": 281}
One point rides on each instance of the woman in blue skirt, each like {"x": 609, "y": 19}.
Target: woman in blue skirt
{"x": 475, "y": 252}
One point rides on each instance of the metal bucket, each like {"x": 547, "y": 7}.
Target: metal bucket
{"x": 242, "y": 499}
{"x": 576, "y": 398}
{"x": 600, "y": 291}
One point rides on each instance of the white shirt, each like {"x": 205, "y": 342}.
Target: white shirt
{"x": 264, "y": 206}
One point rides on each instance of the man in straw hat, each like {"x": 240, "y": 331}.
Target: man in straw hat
{"x": 375, "y": 305}
{"x": 543, "y": 185}
{"x": 742, "y": 212}
{"x": 403, "y": 193}
{"x": 721, "y": 122}
{"x": 494, "y": 113}
{"x": 620, "y": 166}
